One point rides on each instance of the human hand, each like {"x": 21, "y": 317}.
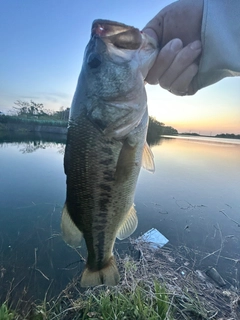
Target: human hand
{"x": 177, "y": 28}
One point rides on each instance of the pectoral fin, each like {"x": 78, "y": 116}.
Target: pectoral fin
{"x": 70, "y": 233}
{"x": 126, "y": 161}
{"x": 129, "y": 225}
{"x": 147, "y": 158}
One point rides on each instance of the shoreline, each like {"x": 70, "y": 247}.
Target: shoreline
{"x": 150, "y": 278}
{"x": 32, "y": 128}
{"x": 20, "y": 125}
{"x": 19, "y": 128}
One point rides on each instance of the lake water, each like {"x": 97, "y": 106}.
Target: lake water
{"x": 193, "y": 199}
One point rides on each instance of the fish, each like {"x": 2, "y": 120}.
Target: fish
{"x": 106, "y": 145}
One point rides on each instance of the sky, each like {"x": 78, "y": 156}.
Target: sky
{"x": 41, "y": 51}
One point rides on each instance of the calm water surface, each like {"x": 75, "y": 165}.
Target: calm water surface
{"x": 193, "y": 198}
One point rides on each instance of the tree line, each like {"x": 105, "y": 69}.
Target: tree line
{"x": 156, "y": 129}
{"x": 33, "y": 110}
{"x": 24, "y": 111}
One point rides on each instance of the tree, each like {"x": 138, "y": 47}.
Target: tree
{"x": 63, "y": 114}
{"x": 29, "y": 109}
{"x": 168, "y": 130}
{"x": 156, "y": 129}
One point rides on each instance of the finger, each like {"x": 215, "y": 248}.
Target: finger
{"x": 183, "y": 59}
{"x": 154, "y": 28}
{"x": 180, "y": 86}
{"x": 151, "y": 33}
{"x": 164, "y": 60}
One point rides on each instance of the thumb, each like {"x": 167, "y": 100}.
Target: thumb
{"x": 154, "y": 28}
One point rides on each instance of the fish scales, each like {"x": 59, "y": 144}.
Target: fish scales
{"x": 102, "y": 191}
{"x": 104, "y": 149}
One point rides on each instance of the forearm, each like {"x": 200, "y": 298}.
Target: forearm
{"x": 220, "y": 38}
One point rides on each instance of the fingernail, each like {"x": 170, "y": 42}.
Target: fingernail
{"x": 196, "y": 45}
{"x": 176, "y": 45}
{"x": 151, "y": 33}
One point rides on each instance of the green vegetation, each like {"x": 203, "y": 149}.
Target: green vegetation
{"x": 5, "y": 313}
{"x": 32, "y": 117}
{"x": 162, "y": 284}
{"x": 228, "y": 136}
{"x": 190, "y": 134}
{"x": 222, "y": 135}
{"x": 32, "y": 121}
{"x": 138, "y": 302}
{"x": 26, "y": 114}
{"x": 24, "y": 109}
{"x": 156, "y": 129}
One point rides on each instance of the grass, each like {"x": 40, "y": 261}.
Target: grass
{"x": 5, "y": 313}
{"x": 152, "y": 287}
{"x": 139, "y": 304}
{"x": 102, "y": 303}
{"x": 31, "y": 121}
{"x": 132, "y": 299}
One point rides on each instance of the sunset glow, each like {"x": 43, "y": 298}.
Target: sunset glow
{"x": 43, "y": 51}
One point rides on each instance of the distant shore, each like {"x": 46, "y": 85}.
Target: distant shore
{"x": 14, "y": 124}
{"x": 220, "y": 135}
{"x": 34, "y": 128}
{"x": 155, "y": 130}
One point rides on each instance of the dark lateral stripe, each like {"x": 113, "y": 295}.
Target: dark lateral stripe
{"x": 109, "y": 142}
{"x": 107, "y": 150}
{"x": 105, "y": 195}
{"x": 107, "y": 173}
{"x": 105, "y": 187}
{"x": 103, "y": 214}
{"x": 103, "y": 204}
{"x": 106, "y": 162}
{"x": 101, "y": 278}
{"x": 108, "y": 176}
{"x": 109, "y": 179}
{"x": 103, "y": 221}
{"x": 100, "y": 249}
{"x": 99, "y": 227}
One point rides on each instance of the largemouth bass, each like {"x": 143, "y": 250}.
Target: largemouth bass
{"x": 106, "y": 145}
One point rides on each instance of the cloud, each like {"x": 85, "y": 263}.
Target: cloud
{"x": 55, "y": 95}
{"x": 30, "y": 97}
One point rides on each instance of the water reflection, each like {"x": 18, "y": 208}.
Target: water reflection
{"x": 32, "y": 192}
{"x": 31, "y": 143}
{"x": 192, "y": 198}
{"x": 154, "y": 141}
{"x": 27, "y": 137}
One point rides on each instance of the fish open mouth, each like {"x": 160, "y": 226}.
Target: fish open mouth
{"x": 107, "y": 28}
{"x": 120, "y": 35}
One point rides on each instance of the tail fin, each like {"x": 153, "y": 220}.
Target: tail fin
{"x": 108, "y": 275}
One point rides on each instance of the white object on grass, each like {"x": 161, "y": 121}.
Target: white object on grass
{"x": 154, "y": 237}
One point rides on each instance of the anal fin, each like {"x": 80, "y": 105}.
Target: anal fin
{"x": 70, "y": 233}
{"x": 129, "y": 225}
{"x": 147, "y": 158}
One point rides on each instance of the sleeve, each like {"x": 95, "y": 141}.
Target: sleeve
{"x": 220, "y": 41}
